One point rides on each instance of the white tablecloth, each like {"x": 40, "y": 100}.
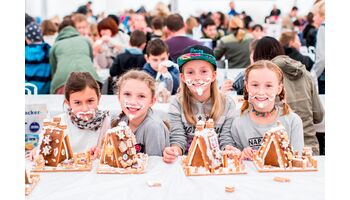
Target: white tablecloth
{"x": 175, "y": 185}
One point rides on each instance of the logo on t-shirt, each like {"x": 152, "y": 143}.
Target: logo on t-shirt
{"x": 140, "y": 148}
{"x": 255, "y": 142}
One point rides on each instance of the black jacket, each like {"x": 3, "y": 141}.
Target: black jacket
{"x": 296, "y": 55}
{"x": 126, "y": 61}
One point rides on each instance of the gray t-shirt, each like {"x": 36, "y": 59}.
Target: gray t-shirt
{"x": 152, "y": 136}
{"x": 181, "y": 133}
{"x": 245, "y": 132}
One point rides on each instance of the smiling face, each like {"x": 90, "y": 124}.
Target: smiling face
{"x": 198, "y": 76}
{"x": 263, "y": 86}
{"x": 83, "y": 103}
{"x": 135, "y": 99}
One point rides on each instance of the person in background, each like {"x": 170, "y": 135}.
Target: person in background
{"x": 83, "y": 9}
{"x": 235, "y": 46}
{"x": 190, "y": 26}
{"x": 309, "y": 31}
{"x": 81, "y": 24}
{"x": 70, "y": 53}
{"x": 291, "y": 44}
{"x": 37, "y": 66}
{"x": 232, "y": 11}
{"x": 319, "y": 68}
{"x": 157, "y": 55}
{"x": 177, "y": 40}
{"x": 220, "y": 21}
{"x": 209, "y": 31}
{"x": 49, "y": 31}
{"x": 132, "y": 58}
{"x": 258, "y": 31}
{"x": 275, "y": 12}
{"x": 157, "y": 25}
{"x": 112, "y": 43}
{"x": 246, "y": 19}
{"x": 287, "y": 21}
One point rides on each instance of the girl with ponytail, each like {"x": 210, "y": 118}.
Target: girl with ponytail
{"x": 264, "y": 105}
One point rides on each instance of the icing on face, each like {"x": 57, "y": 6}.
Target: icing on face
{"x": 199, "y": 85}
{"x": 132, "y": 108}
{"x": 86, "y": 115}
{"x": 262, "y": 100}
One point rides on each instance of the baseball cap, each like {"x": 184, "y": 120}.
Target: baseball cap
{"x": 197, "y": 52}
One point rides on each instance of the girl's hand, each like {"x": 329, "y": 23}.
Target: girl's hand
{"x": 231, "y": 151}
{"x": 227, "y": 86}
{"x": 171, "y": 153}
{"x": 31, "y": 155}
{"x": 247, "y": 154}
{"x": 95, "y": 152}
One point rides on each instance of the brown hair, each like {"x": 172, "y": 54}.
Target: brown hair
{"x": 66, "y": 22}
{"x": 156, "y": 47}
{"x": 78, "y": 17}
{"x": 137, "y": 38}
{"x": 135, "y": 75}
{"x": 78, "y": 81}
{"x": 287, "y": 37}
{"x": 174, "y": 22}
{"x": 273, "y": 67}
{"x": 216, "y": 97}
{"x": 157, "y": 23}
{"x": 48, "y": 27}
{"x": 236, "y": 25}
{"x": 108, "y": 23}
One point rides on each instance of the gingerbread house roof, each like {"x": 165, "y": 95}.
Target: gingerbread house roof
{"x": 204, "y": 150}
{"x": 275, "y": 149}
{"x": 119, "y": 147}
{"x": 55, "y": 146}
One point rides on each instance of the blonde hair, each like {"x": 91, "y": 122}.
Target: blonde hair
{"x": 287, "y": 37}
{"x": 135, "y": 75}
{"x": 216, "y": 97}
{"x": 319, "y": 8}
{"x": 236, "y": 25}
{"x": 79, "y": 18}
{"x": 273, "y": 67}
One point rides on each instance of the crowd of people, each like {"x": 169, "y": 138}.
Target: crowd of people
{"x": 152, "y": 55}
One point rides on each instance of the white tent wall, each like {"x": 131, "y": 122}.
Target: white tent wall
{"x": 257, "y": 9}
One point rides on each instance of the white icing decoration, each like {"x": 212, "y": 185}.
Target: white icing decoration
{"x": 47, "y": 139}
{"x": 55, "y": 152}
{"x": 46, "y": 150}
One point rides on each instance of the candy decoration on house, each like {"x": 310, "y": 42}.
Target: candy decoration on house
{"x": 205, "y": 157}
{"x": 276, "y": 154}
{"x": 55, "y": 153}
{"x": 119, "y": 155}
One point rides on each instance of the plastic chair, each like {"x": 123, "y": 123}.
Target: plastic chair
{"x": 29, "y": 91}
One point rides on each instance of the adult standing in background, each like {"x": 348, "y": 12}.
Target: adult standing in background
{"x": 233, "y": 11}
{"x": 71, "y": 52}
{"x": 319, "y": 66}
{"x": 235, "y": 45}
{"x": 177, "y": 40}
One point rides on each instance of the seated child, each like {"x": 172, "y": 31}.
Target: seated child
{"x": 157, "y": 55}
{"x": 261, "y": 111}
{"x": 136, "y": 93}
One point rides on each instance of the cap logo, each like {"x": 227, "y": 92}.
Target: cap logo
{"x": 193, "y": 50}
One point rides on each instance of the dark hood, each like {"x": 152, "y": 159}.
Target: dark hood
{"x": 292, "y": 69}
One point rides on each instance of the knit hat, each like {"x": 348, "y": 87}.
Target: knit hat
{"x": 197, "y": 52}
{"x": 33, "y": 32}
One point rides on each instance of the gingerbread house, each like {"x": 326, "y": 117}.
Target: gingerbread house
{"x": 118, "y": 152}
{"x": 276, "y": 153}
{"x": 55, "y": 146}
{"x": 204, "y": 155}
{"x": 30, "y": 181}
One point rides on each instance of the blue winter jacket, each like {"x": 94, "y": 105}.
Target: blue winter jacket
{"x": 37, "y": 66}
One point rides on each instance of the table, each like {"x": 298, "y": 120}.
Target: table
{"x": 175, "y": 185}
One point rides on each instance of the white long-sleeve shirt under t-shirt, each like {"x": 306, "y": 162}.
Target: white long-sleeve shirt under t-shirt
{"x": 246, "y": 133}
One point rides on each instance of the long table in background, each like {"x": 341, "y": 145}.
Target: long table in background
{"x": 175, "y": 185}
{"x": 110, "y": 102}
